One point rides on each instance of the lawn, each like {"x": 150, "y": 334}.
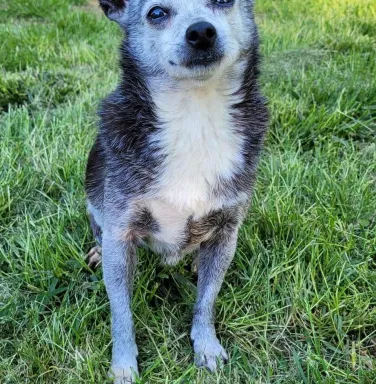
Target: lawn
{"x": 299, "y": 302}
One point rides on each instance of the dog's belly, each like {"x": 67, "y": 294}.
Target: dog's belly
{"x": 171, "y": 222}
{"x": 175, "y": 235}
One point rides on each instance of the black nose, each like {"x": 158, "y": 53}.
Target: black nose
{"x": 201, "y": 35}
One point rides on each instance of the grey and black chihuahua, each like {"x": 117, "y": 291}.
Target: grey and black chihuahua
{"x": 175, "y": 159}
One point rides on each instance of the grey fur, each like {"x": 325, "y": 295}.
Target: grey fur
{"x": 134, "y": 164}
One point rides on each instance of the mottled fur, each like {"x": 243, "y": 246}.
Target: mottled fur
{"x": 175, "y": 159}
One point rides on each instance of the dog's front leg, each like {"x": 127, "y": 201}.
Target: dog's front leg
{"x": 214, "y": 260}
{"x": 119, "y": 262}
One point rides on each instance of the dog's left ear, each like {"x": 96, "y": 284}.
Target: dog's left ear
{"x": 114, "y": 9}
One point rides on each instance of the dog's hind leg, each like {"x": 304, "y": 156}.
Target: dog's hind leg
{"x": 94, "y": 185}
{"x": 94, "y": 256}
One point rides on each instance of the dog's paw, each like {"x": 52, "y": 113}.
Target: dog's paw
{"x": 94, "y": 257}
{"x": 209, "y": 352}
{"x": 124, "y": 375}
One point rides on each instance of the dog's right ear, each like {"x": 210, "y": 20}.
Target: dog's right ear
{"x": 114, "y": 9}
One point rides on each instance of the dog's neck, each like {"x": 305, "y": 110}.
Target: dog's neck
{"x": 197, "y": 137}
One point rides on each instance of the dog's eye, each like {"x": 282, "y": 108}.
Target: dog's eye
{"x": 157, "y": 14}
{"x": 224, "y": 3}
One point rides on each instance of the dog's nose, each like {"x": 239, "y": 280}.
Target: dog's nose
{"x": 201, "y": 35}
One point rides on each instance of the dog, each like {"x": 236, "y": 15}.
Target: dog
{"x": 175, "y": 159}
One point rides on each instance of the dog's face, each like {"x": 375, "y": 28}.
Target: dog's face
{"x": 185, "y": 39}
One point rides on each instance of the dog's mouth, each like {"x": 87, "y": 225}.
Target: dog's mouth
{"x": 200, "y": 61}
{"x": 204, "y": 60}
{"x": 199, "y": 65}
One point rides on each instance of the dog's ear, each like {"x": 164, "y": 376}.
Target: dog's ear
{"x": 114, "y": 9}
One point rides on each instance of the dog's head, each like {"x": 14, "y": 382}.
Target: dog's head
{"x": 185, "y": 39}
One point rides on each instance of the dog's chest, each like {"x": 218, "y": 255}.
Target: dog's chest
{"x": 199, "y": 145}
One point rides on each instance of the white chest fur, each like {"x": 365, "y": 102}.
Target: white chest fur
{"x": 199, "y": 143}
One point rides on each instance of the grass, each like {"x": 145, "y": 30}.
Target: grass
{"x": 299, "y": 302}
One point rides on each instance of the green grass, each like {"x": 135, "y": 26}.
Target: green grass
{"x": 299, "y": 302}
